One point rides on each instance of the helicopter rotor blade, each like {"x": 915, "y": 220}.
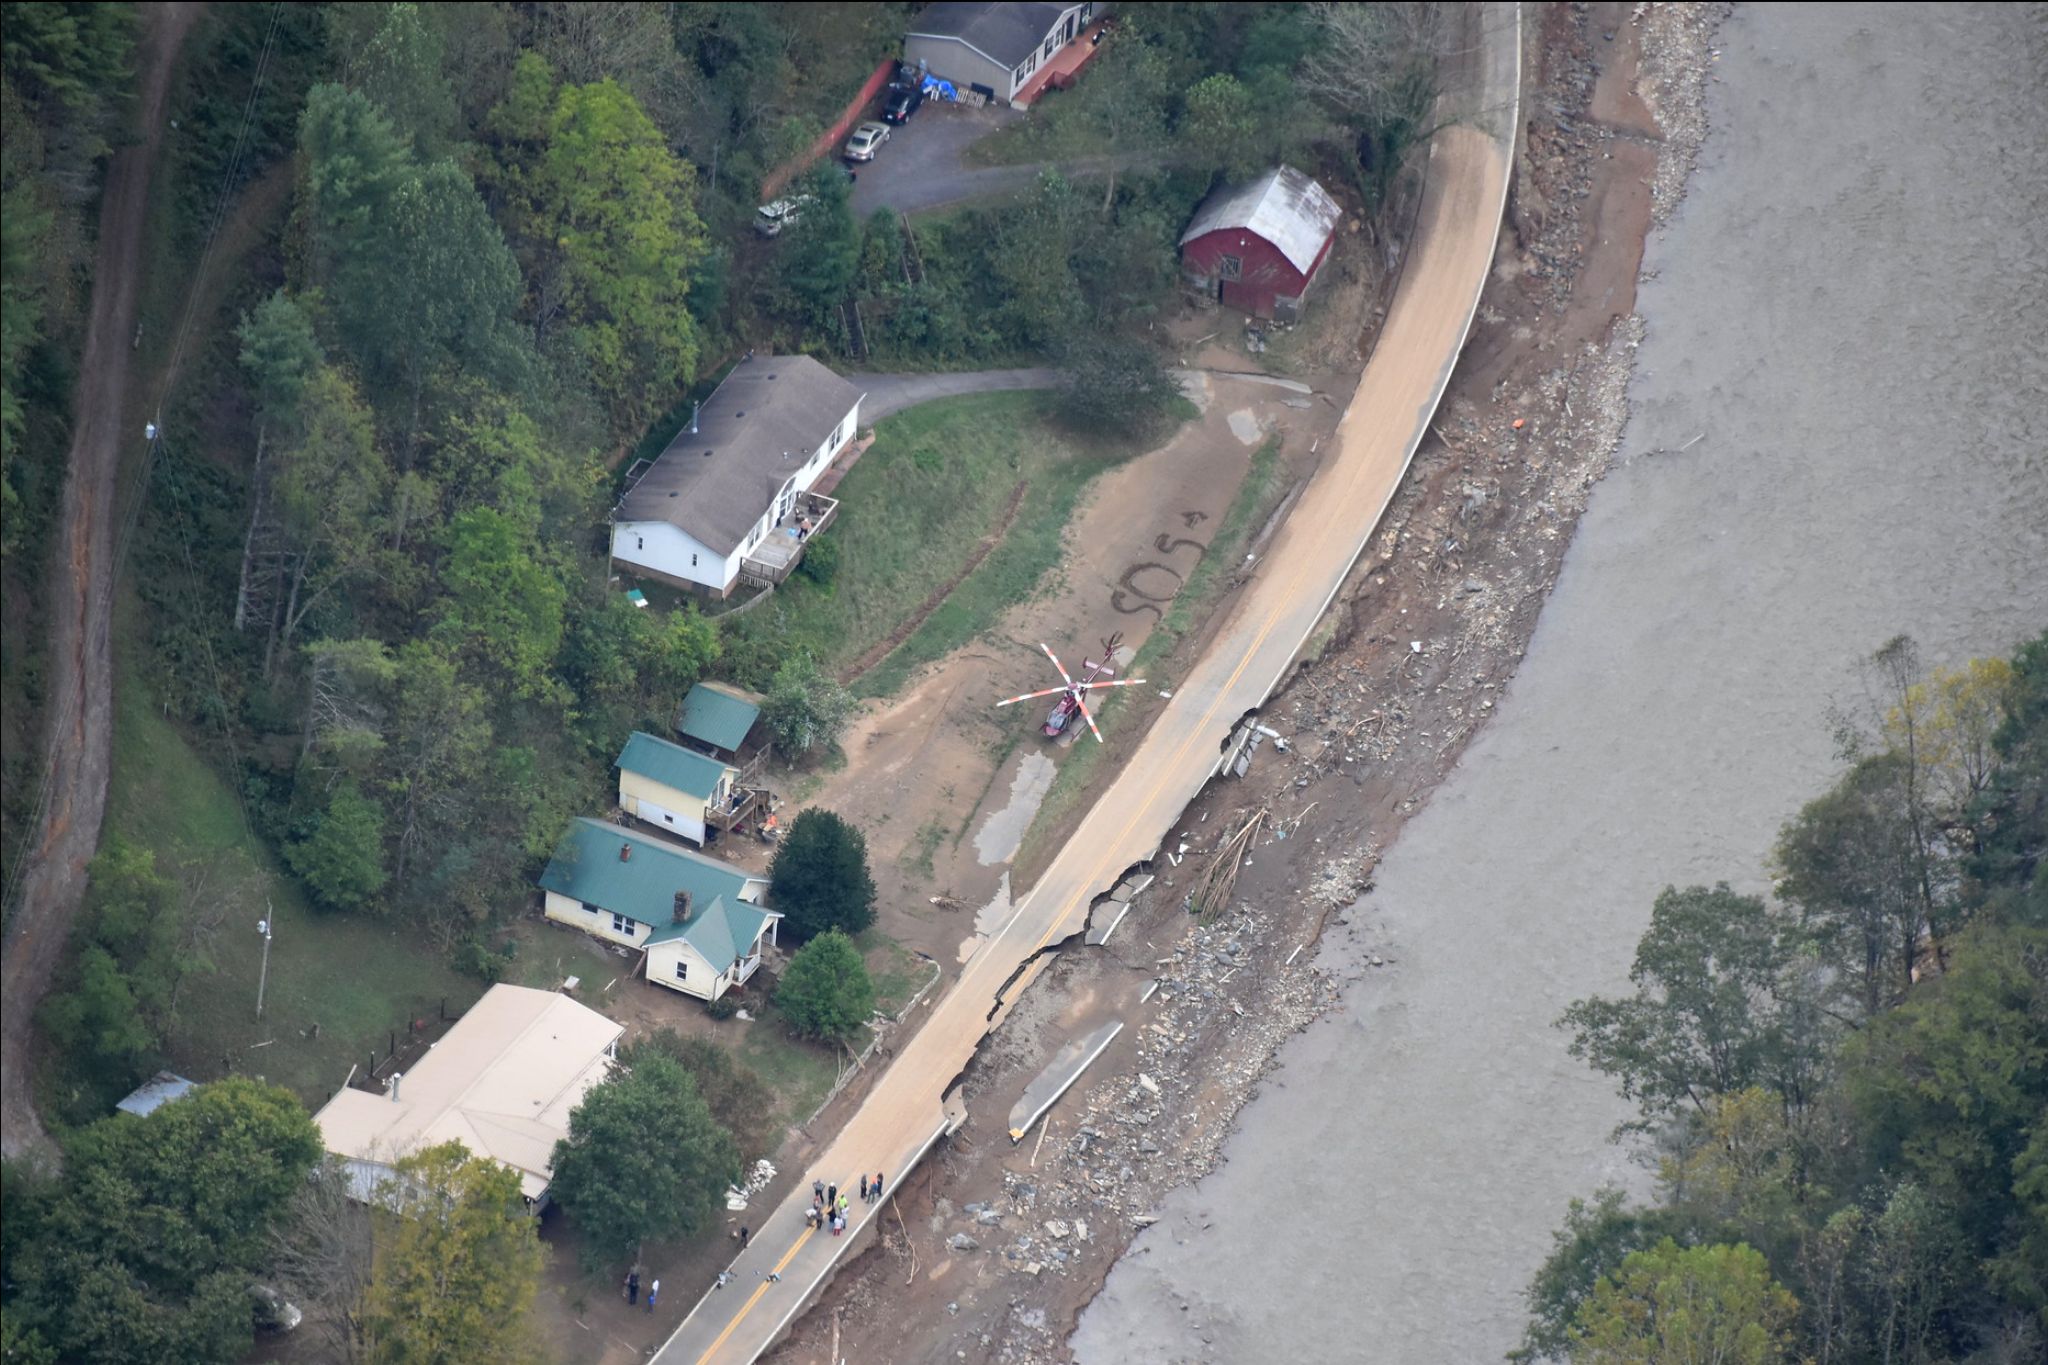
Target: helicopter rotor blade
{"x": 1081, "y": 705}
{"x": 1120, "y": 682}
{"x": 1048, "y": 692}
{"x": 1064, "y": 677}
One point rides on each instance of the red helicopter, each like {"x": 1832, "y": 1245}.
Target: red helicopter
{"x": 1071, "y": 701}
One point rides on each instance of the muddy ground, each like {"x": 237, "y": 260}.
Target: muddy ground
{"x": 999, "y": 1246}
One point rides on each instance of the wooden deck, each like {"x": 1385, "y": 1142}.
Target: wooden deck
{"x": 783, "y": 549}
{"x": 1058, "y": 73}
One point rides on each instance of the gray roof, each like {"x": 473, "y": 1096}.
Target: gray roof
{"x": 1283, "y": 206}
{"x": 1007, "y": 31}
{"x": 754, "y": 431}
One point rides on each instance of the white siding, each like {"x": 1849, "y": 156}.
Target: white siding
{"x": 701, "y": 981}
{"x": 670, "y": 550}
{"x": 563, "y": 910}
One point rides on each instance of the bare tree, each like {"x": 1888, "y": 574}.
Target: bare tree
{"x": 324, "y": 1256}
{"x": 1377, "y": 63}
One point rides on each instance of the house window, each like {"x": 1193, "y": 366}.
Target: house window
{"x": 693, "y": 561}
{"x": 1230, "y": 267}
{"x": 682, "y": 970}
{"x": 1052, "y": 40}
{"x": 588, "y": 906}
{"x": 639, "y": 542}
{"x": 1017, "y": 76}
{"x": 622, "y": 925}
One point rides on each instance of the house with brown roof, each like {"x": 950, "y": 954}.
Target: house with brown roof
{"x": 729, "y": 501}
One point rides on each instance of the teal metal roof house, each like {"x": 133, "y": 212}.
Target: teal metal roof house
{"x": 698, "y": 919}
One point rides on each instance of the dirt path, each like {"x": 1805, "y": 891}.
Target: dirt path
{"x": 81, "y": 677}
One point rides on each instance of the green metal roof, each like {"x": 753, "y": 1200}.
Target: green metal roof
{"x": 717, "y": 717}
{"x": 587, "y": 866}
{"x": 722, "y": 931}
{"x": 672, "y": 765}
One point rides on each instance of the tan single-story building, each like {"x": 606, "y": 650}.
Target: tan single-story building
{"x": 699, "y": 920}
{"x": 503, "y": 1083}
{"x": 678, "y": 790}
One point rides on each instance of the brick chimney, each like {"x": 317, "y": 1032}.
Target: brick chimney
{"x": 682, "y": 912}
{"x": 625, "y": 853}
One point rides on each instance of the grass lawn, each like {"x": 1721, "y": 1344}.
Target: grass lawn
{"x": 354, "y": 977}
{"x": 1255, "y": 499}
{"x": 938, "y": 480}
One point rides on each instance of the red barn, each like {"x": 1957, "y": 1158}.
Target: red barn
{"x": 1257, "y": 247}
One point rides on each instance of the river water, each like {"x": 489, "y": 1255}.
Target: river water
{"x": 1851, "y": 304}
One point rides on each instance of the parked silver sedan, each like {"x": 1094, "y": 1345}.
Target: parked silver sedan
{"x": 866, "y": 141}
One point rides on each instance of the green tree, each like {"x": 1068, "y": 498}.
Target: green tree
{"x": 643, "y": 1159}
{"x": 505, "y": 601}
{"x": 1116, "y": 384}
{"x": 2009, "y": 816}
{"x": 819, "y": 878}
{"x": 1596, "y": 1238}
{"x": 146, "y": 1251}
{"x": 329, "y": 487}
{"x": 1847, "y": 860}
{"x": 400, "y": 68}
{"x": 1672, "y": 1305}
{"x": 825, "y": 992}
{"x": 806, "y": 707}
{"x": 1950, "y": 1089}
{"x": 457, "y": 1269}
{"x": 818, "y": 258}
{"x": 1220, "y": 126}
{"x": 281, "y": 355}
{"x": 1704, "y": 1020}
{"x": 607, "y": 220}
{"x": 737, "y": 1096}
{"x": 340, "y": 857}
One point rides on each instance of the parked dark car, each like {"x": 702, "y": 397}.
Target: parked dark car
{"x": 901, "y": 102}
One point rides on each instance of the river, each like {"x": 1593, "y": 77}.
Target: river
{"x": 1849, "y": 309}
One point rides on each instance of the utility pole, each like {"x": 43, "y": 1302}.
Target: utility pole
{"x": 263, "y": 927}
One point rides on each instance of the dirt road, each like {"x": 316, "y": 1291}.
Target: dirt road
{"x": 81, "y": 595}
{"x": 1309, "y": 559}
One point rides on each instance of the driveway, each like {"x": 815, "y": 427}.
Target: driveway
{"x": 923, "y": 164}
{"x": 888, "y": 394}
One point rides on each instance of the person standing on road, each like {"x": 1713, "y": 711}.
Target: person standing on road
{"x": 876, "y": 1188}
{"x": 743, "y": 1237}
{"x": 653, "y": 1293}
{"x": 817, "y": 1189}
{"x": 863, "y": 1187}
{"x": 831, "y": 1197}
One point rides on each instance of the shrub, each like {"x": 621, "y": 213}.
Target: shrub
{"x": 826, "y": 992}
{"x": 820, "y": 878}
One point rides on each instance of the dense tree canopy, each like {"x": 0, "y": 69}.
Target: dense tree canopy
{"x": 819, "y": 879}
{"x": 145, "y": 1250}
{"x": 825, "y": 992}
{"x": 644, "y": 1159}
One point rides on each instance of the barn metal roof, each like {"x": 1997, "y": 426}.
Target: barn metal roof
{"x": 717, "y": 716}
{"x": 1283, "y": 206}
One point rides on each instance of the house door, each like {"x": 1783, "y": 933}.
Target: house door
{"x": 785, "y": 502}
{"x": 1068, "y": 36}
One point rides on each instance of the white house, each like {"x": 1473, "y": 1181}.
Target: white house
{"x": 729, "y": 500}
{"x": 700, "y": 920}
{"x": 678, "y": 789}
{"x": 502, "y": 1082}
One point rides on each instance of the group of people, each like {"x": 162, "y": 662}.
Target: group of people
{"x": 633, "y": 1289}
{"x": 829, "y": 1207}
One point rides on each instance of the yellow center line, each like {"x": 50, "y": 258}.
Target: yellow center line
{"x": 1194, "y": 733}
{"x": 755, "y": 1297}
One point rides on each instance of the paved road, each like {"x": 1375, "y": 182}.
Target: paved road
{"x": 80, "y": 733}
{"x": 889, "y": 394}
{"x": 1396, "y": 397}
